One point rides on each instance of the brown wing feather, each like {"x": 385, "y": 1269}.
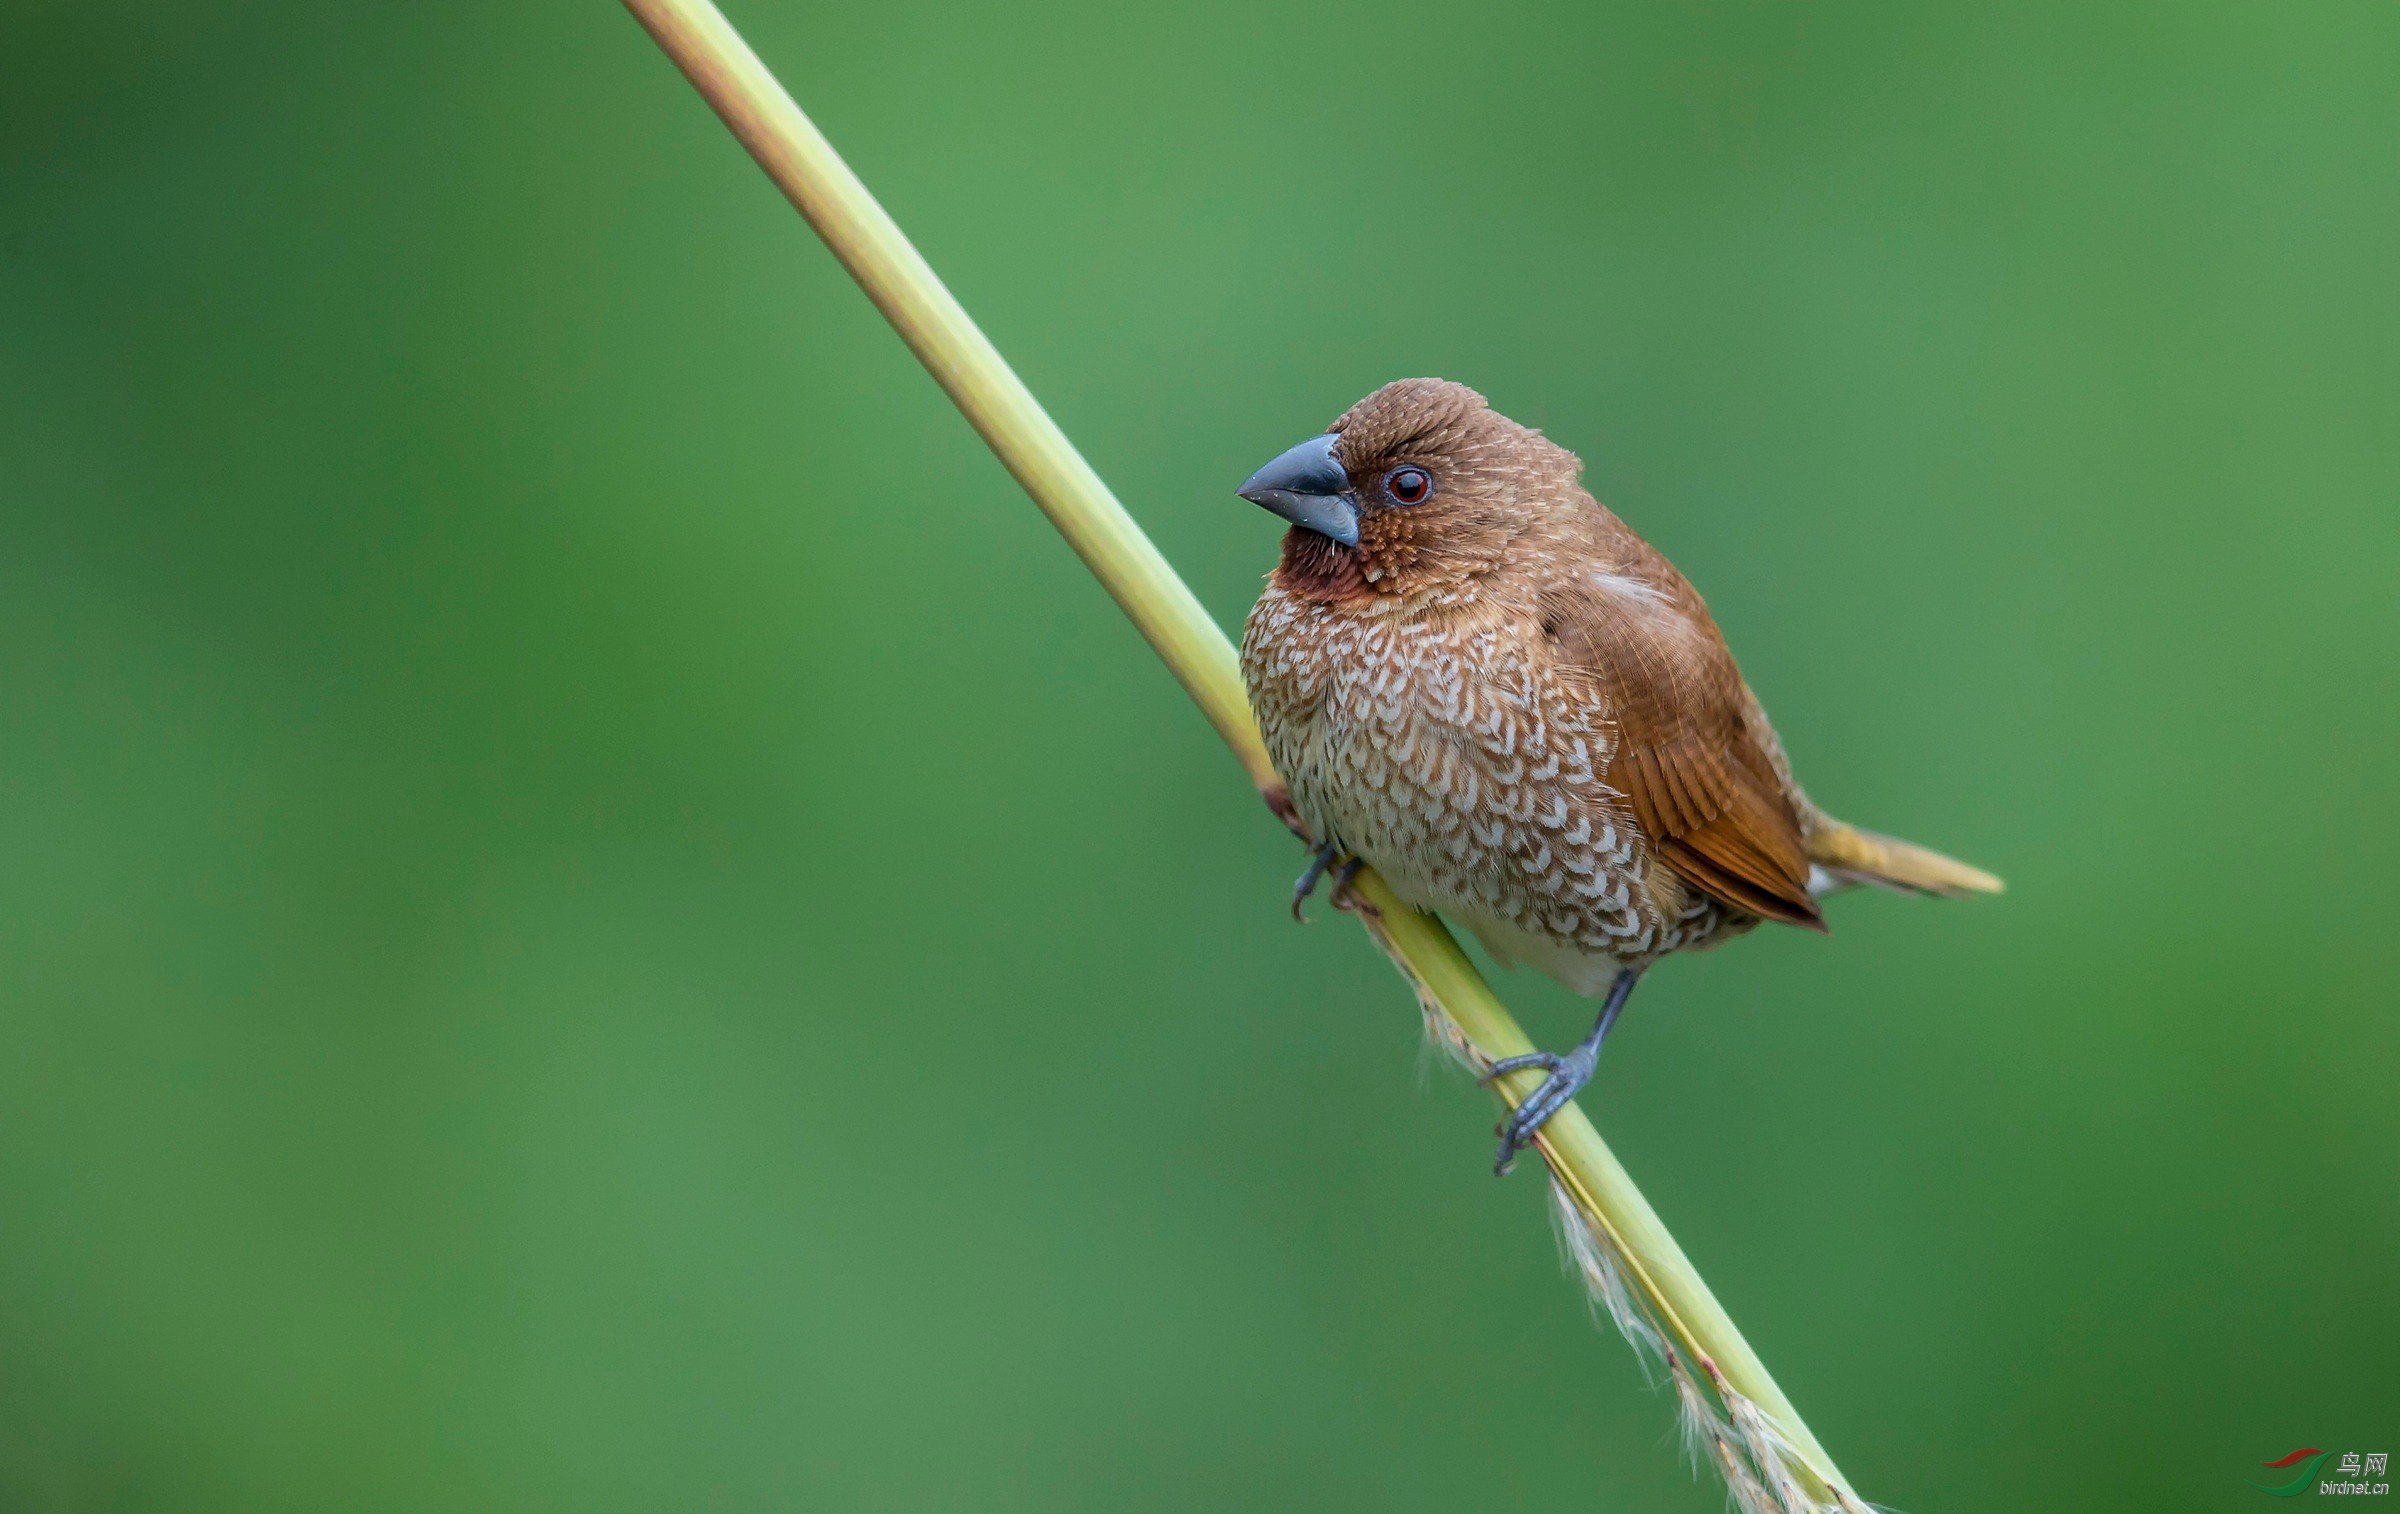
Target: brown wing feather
{"x": 1702, "y": 788}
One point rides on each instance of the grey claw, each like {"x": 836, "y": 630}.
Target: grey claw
{"x": 1306, "y": 883}
{"x": 1568, "y": 1074}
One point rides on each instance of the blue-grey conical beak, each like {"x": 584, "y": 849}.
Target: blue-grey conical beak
{"x": 1308, "y": 488}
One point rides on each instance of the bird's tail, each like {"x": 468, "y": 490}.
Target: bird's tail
{"x": 1849, "y": 855}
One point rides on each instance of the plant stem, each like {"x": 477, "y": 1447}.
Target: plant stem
{"x": 996, "y": 402}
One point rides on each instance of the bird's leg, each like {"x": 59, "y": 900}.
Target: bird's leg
{"x": 1568, "y": 1074}
{"x": 1306, "y": 884}
{"x": 1320, "y": 861}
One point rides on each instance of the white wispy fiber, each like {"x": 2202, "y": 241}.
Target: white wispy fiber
{"x": 1762, "y": 1471}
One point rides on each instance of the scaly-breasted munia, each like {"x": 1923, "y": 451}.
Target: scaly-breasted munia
{"x": 1475, "y": 677}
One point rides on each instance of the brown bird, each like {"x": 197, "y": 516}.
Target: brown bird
{"x": 1475, "y": 677}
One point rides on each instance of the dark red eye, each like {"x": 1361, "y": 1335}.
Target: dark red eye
{"x": 1410, "y": 486}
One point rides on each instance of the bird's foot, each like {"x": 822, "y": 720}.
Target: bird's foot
{"x": 1568, "y": 1073}
{"x": 1320, "y": 862}
{"x": 1331, "y": 858}
{"x": 1306, "y": 884}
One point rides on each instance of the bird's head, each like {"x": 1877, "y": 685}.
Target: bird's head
{"x": 1419, "y": 489}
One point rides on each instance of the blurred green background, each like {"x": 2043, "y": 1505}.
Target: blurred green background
{"x": 597, "y": 916}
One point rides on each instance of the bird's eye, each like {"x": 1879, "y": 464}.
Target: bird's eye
{"x": 1410, "y": 486}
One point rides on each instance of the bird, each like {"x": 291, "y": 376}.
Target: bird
{"x": 1473, "y": 676}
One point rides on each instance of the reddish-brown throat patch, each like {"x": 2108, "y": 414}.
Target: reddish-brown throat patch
{"x": 1319, "y": 568}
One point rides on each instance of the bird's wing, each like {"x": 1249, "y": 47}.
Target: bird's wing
{"x": 1702, "y": 786}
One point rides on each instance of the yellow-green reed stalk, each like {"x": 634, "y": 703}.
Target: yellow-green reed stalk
{"x": 1734, "y": 1413}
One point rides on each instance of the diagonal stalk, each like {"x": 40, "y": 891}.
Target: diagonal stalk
{"x": 1627, "y": 1238}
